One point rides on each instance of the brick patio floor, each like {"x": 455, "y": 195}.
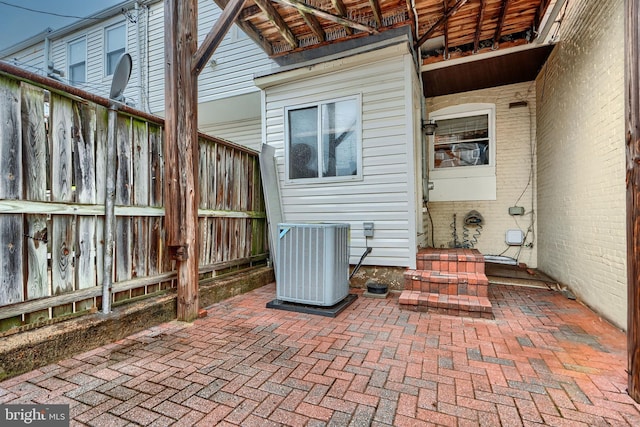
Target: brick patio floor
{"x": 544, "y": 360}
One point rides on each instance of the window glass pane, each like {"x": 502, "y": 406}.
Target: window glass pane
{"x": 462, "y": 154}
{"x": 462, "y": 141}
{"x": 116, "y": 43}
{"x": 462, "y": 129}
{"x": 115, "y": 38}
{"x": 112, "y": 60}
{"x": 77, "y": 73}
{"x": 77, "y": 51}
{"x": 339, "y": 144}
{"x": 303, "y": 143}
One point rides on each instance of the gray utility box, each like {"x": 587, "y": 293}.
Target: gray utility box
{"x": 313, "y": 263}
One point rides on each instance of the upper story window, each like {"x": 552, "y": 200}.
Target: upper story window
{"x": 462, "y": 161}
{"x": 323, "y": 140}
{"x": 77, "y": 52}
{"x": 115, "y": 44}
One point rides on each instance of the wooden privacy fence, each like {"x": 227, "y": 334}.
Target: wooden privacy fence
{"x": 53, "y": 174}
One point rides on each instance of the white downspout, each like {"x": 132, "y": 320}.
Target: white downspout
{"x": 47, "y": 43}
{"x": 139, "y": 56}
{"x": 146, "y": 55}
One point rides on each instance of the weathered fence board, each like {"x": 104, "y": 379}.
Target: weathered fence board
{"x": 157, "y": 260}
{"x": 34, "y": 155}
{"x": 62, "y": 229}
{"x": 11, "y": 227}
{"x": 140, "y": 197}
{"x": 124, "y": 183}
{"x": 53, "y": 178}
{"x": 84, "y": 167}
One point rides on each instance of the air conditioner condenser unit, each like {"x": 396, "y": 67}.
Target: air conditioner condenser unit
{"x": 313, "y": 263}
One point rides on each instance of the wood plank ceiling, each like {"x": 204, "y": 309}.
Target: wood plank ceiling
{"x": 443, "y": 29}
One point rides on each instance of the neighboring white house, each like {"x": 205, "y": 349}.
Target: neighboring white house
{"x": 85, "y": 53}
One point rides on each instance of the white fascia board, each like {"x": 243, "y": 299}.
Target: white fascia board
{"x": 365, "y": 55}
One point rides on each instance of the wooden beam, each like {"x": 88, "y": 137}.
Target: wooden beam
{"x": 274, "y": 17}
{"x": 247, "y": 27}
{"x": 439, "y": 22}
{"x": 377, "y": 13}
{"x": 446, "y": 33}
{"x": 181, "y": 150}
{"x": 632, "y": 132}
{"x": 342, "y": 11}
{"x": 328, "y": 16}
{"x": 500, "y": 24}
{"x": 217, "y": 33}
{"x": 476, "y": 37}
{"x": 315, "y": 26}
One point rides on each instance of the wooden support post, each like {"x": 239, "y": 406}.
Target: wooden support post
{"x": 181, "y": 150}
{"x": 632, "y": 114}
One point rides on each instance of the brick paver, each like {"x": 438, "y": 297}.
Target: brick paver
{"x": 543, "y": 360}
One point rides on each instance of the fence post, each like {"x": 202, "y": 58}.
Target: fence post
{"x": 109, "y": 209}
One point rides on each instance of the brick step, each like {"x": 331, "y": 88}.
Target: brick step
{"x": 453, "y": 305}
{"x": 451, "y": 260}
{"x": 447, "y": 283}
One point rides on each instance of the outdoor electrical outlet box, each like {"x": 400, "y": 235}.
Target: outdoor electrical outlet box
{"x": 368, "y": 229}
{"x": 516, "y": 210}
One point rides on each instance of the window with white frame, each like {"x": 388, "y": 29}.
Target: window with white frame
{"x": 463, "y": 151}
{"x": 461, "y": 142}
{"x": 77, "y": 52}
{"x": 323, "y": 140}
{"x": 115, "y": 44}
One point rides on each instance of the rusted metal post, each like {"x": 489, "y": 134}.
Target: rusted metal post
{"x": 632, "y": 114}
{"x": 181, "y": 150}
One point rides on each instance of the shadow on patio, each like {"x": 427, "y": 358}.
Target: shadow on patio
{"x": 543, "y": 360}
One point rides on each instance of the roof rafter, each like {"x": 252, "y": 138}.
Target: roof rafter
{"x": 476, "y": 37}
{"x": 274, "y": 17}
{"x": 377, "y": 13}
{"x": 215, "y": 36}
{"x": 249, "y": 29}
{"x": 313, "y": 23}
{"x": 446, "y": 32}
{"x": 342, "y": 10}
{"x": 439, "y": 22}
{"x": 500, "y": 24}
{"x": 328, "y": 16}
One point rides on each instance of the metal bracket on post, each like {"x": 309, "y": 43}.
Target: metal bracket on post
{"x": 179, "y": 252}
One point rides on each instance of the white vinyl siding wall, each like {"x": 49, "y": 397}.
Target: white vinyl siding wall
{"x": 30, "y": 59}
{"x": 243, "y": 132}
{"x": 386, "y": 195}
{"x": 236, "y": 60}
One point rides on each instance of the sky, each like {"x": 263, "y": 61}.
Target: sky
{"x": 17, "y": 23}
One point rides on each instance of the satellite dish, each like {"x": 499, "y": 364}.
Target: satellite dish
{"x": 120, "y": 77}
